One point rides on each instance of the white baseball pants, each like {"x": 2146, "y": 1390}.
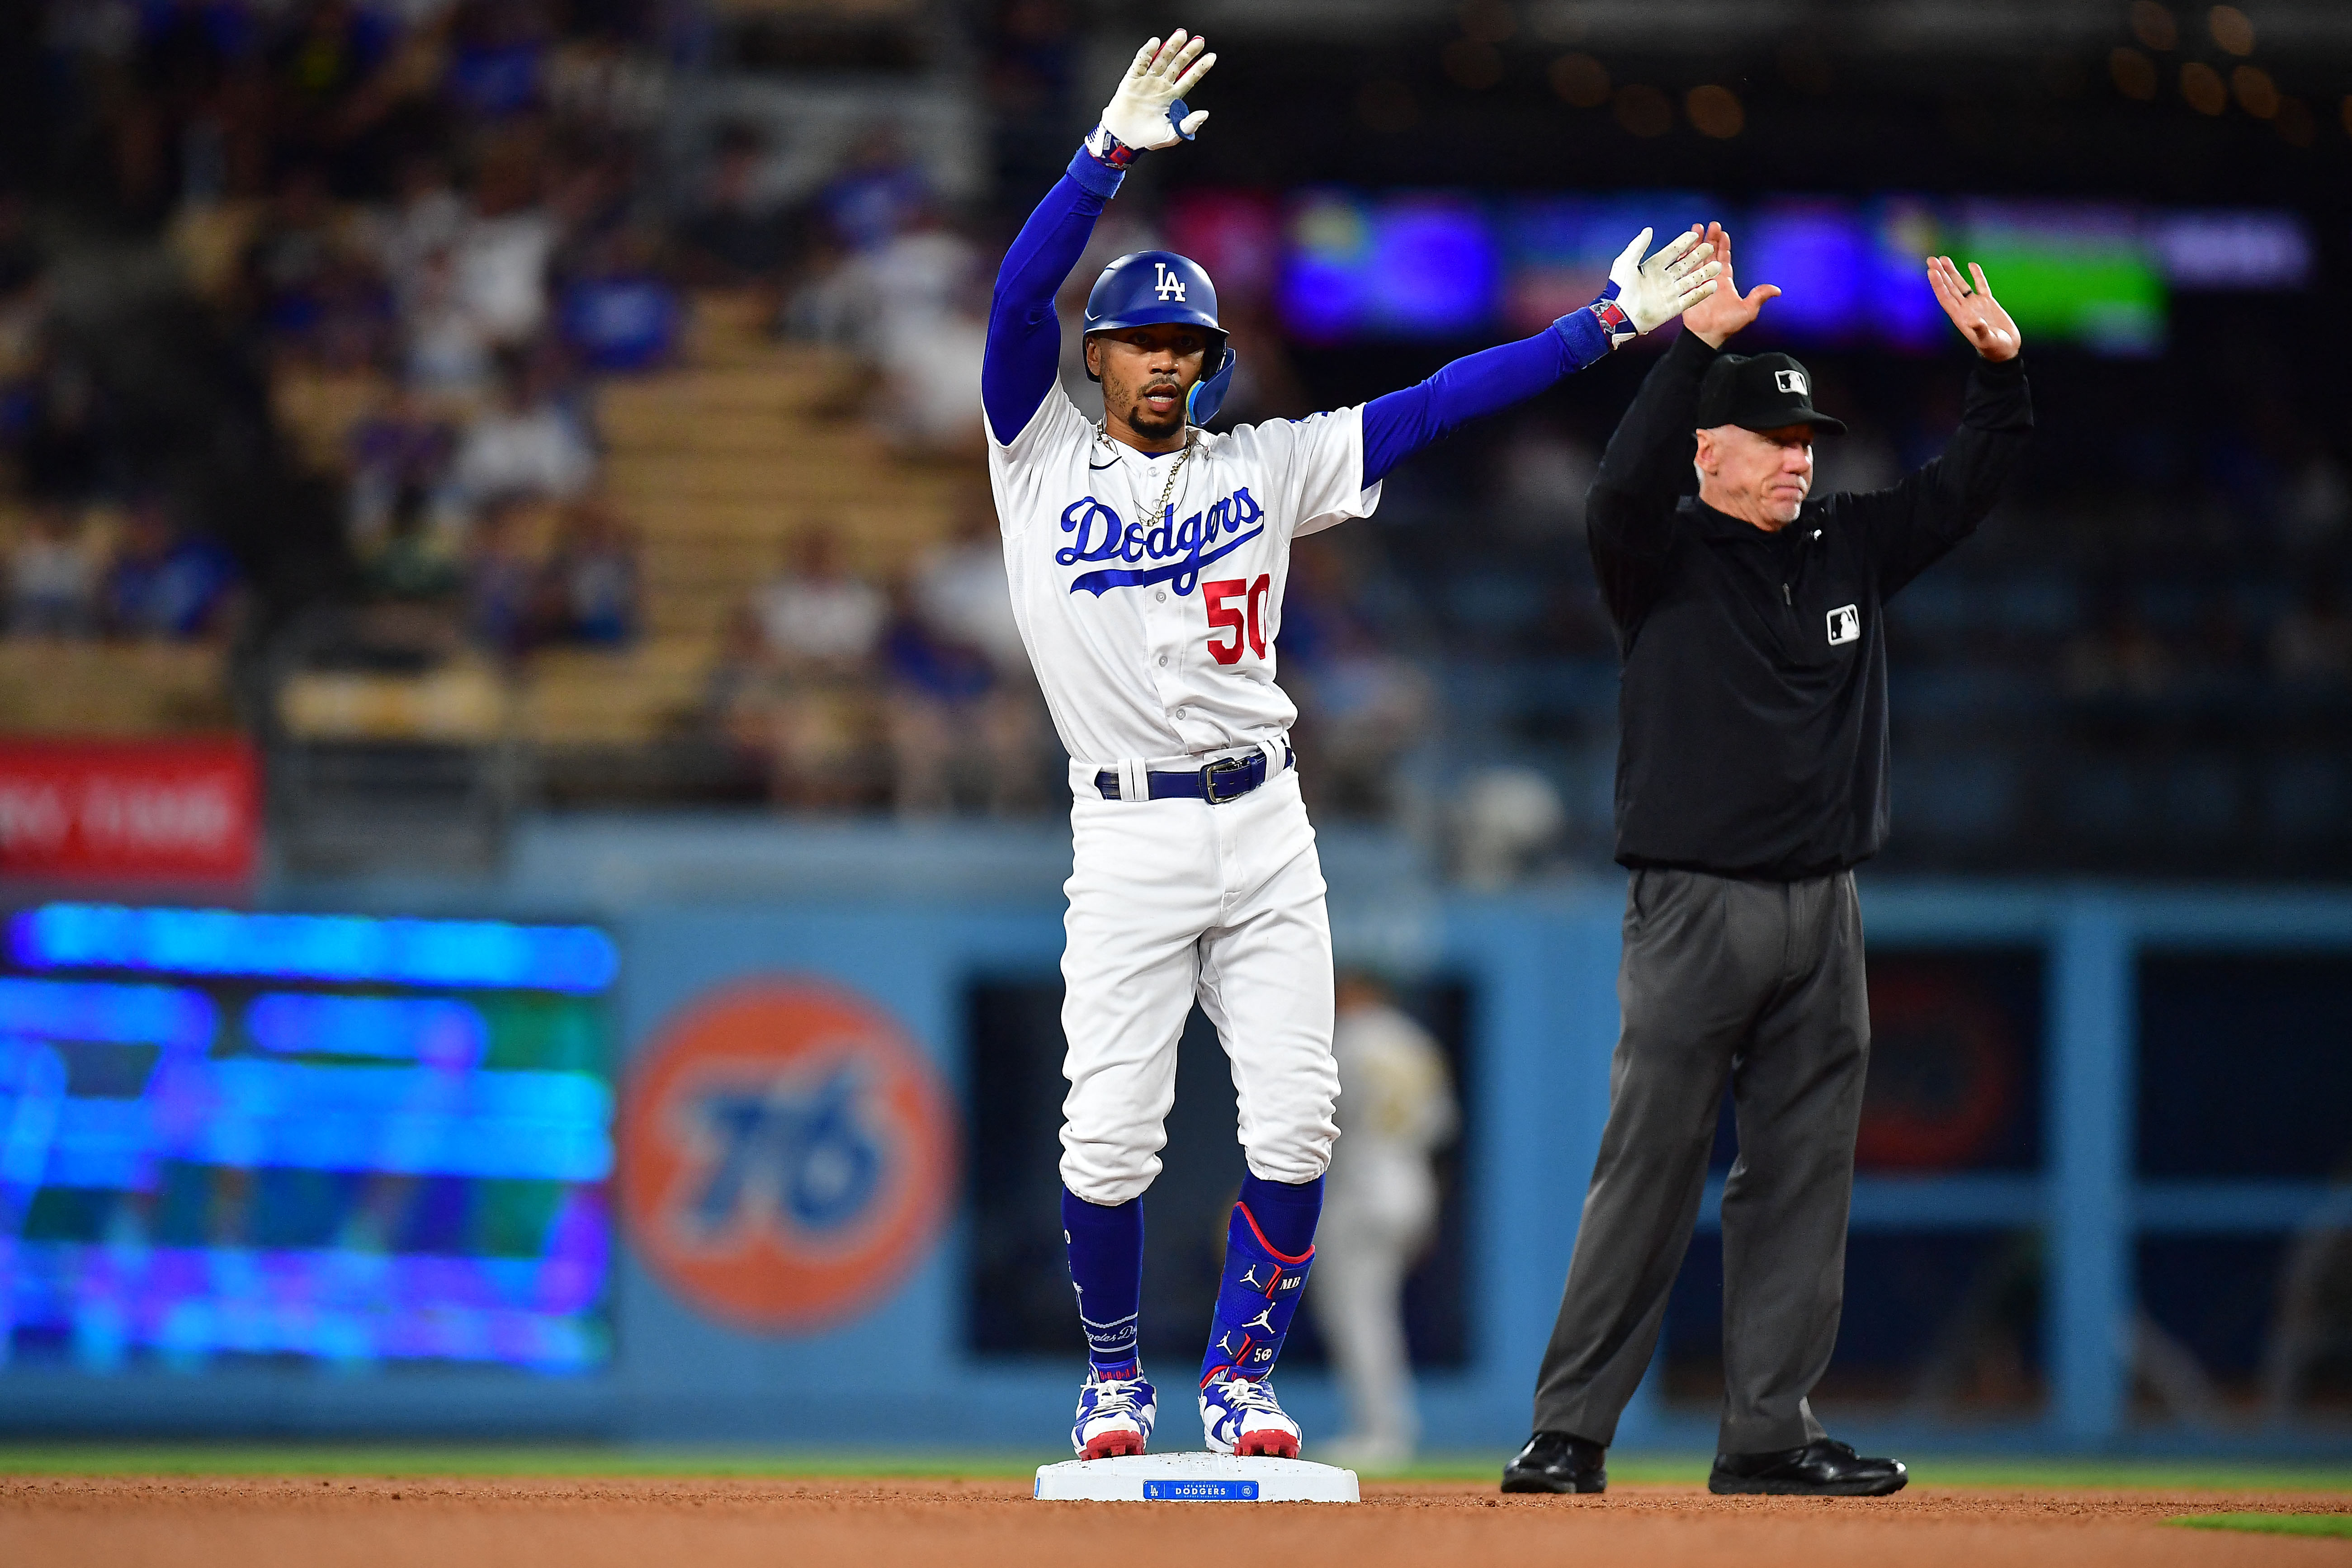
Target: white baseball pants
{"x": 1173, "y": 899}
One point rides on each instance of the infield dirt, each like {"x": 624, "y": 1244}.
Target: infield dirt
{"x": 328, "y": 1522}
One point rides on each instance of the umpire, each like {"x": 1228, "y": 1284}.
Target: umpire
{"x": 1751, "y": 779}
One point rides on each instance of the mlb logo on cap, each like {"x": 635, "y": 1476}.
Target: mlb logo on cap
{"x": 1765, "y": 391}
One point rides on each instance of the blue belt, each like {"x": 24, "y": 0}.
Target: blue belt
{"x": 1229, "y": 778}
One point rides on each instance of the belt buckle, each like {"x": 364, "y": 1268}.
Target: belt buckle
{"x": 1209, "y": 773}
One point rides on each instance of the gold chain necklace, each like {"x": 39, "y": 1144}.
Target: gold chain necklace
{"x": 1167, "y": 491}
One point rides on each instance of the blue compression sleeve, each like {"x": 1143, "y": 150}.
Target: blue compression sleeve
{"x": 1403, "y": 423}
{"x": 1024, "y": 337}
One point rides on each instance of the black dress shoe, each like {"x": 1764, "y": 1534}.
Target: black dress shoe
{"x": 1556, "y": 1462}
{"x": 1822, "y": 1467}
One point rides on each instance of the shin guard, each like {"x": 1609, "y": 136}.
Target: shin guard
{"x": 1260, "y": 1291}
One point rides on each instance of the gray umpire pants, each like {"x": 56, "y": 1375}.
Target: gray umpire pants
{"x": 1760, "y": 983}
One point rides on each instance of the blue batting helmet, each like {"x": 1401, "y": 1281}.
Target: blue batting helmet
{"x": 1160, "y": 288}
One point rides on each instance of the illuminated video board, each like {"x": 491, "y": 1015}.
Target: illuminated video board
{"x": 324, "y": 1137}
{"x": 1342, "y": 265}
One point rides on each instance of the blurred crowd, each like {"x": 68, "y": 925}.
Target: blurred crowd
{"x": 461, "y": 205}
{"x": 481, "y": 210}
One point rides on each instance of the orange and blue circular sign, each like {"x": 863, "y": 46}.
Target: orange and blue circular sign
{"x": 787, "y": 1154}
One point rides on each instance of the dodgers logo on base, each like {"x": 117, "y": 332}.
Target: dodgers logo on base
{"x": 787, "y": 1154}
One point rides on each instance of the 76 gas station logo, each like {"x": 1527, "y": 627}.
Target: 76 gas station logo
{"x": 787, "y": 1155}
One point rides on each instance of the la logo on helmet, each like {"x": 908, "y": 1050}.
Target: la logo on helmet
{"x": 1170, "y": 286}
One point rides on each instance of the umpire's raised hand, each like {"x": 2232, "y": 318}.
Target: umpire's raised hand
{"x": 1725, "y": 312}
{"x": 1975, "y": 311}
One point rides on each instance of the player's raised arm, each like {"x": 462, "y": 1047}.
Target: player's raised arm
{"x": 1640, "y": 295}
{"x": 1024, "y": 339}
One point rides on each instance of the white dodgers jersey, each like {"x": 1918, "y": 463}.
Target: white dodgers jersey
{"x": 1153, "y": 635}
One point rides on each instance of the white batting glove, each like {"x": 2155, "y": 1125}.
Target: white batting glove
{"x": 1651, "y": 293}
{"x": 1140, "y": 114}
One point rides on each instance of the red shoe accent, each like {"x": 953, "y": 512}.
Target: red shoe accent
{"x": 1269, "y": 1446}
{"x": 1113, "y": 1445}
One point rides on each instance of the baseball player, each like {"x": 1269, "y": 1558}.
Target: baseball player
{"x": 1147, "y": 559}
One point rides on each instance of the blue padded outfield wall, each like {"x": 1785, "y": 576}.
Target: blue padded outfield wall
{"x": 659, "y": 1137}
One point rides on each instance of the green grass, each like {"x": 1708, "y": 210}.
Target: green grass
{"x": 2339, "y": 1525}
{"x": 2032, "y": 1473}
{"x": 426, "y": 1460}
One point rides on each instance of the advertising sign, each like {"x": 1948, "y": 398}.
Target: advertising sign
{"x": 163, "y": 810}
{"x": 787, "y": 1155}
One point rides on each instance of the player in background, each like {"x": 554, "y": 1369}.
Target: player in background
{"x": 1396, "y": 1112}
{"x": 1147, "y": 559}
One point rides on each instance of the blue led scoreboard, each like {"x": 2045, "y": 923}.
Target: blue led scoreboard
{"x": 331, "y": 1138}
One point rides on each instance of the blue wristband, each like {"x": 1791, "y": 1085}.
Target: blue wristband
{"x": 1092, "y": 174}
{"x": 1588, "y": 341}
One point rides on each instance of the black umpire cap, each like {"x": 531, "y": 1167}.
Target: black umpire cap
{"x": 1760, "y": 391}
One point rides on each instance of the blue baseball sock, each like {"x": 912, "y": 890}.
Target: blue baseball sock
{"x": 1106, "y": 1244}
{"x": 1269, "y": 1245}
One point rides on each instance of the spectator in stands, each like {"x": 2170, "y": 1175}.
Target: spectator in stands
{"x": 961, "y": 589}
{"x": 501, "y": 256}
{"x": 164, "y": 583}
{"x": 290, "y": 255}
{"x": 928, "y": 329}
{"x": 426, "y": 219}
{"x": 528, "y": 441}
{"x": 503, "y": 582}
{"x": 592, "y": 577}
{"x": 398, "y": 447}
{"x": 878, "y": 192}
{"x": 52, "y": 580}
{"x": 740, "y": 234}
{"x": 498, "y": 57}
{"x": 447, "y": 348}
{"x": 821, "y": 627}
{"x": 312, "y": 282}
{"x": 953, "y": 710}
{"x": 817, "y": 615}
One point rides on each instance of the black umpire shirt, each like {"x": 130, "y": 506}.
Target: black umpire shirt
{"x": 1752, "y": 708}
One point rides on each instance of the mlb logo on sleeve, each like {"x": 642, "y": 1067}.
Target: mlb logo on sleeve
{"x": 1845, "y": 625}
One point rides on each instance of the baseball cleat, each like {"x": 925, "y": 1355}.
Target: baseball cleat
{"x": 1241, "y": 1415}
{"x": 1114, "y": 1416}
